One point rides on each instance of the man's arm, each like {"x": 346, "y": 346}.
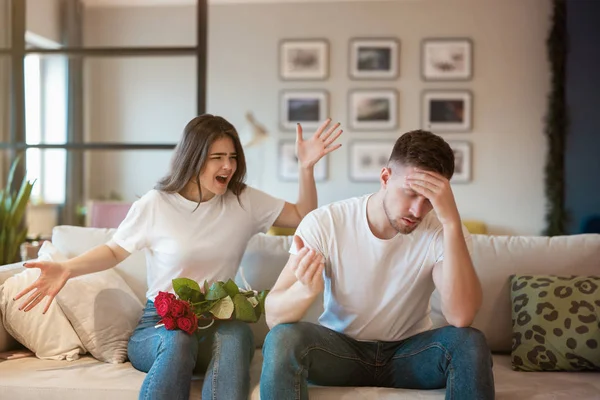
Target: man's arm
{"x": 455, "y": 276}
{"x": 456, "y": 280}
{"x": 299, "y": 284}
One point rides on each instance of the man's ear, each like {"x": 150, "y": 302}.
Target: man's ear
{"x": 385, "y": 176}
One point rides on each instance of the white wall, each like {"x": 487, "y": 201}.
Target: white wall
{"x": 510, "y": 86}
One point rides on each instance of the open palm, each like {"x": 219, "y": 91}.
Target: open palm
{"x": 52, "y": 279}
{"x": 311, "y": 150}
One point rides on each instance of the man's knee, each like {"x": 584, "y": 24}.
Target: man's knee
{"x": 285, "y": 339}
{"x": 470, "y": 341}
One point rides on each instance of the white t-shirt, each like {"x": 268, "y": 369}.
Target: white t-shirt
{"x": 206, "y": 243}
{"x": 374, "y": 289}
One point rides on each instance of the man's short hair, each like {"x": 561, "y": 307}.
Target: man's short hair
{"x": 423, "y": 149}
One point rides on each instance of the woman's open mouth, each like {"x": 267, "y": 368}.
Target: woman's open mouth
{"x": 222, "y": 179}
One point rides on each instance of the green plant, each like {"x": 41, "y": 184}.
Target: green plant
{"x": 13, "y": 228}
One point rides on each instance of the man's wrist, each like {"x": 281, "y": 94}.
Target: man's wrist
{"x": 452, "y": 226}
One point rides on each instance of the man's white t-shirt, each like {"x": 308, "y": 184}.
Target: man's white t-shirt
{"x": 185, "y": 240}
{"x": 375, "y": 290}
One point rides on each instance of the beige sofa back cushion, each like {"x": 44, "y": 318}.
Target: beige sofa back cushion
{"x": 496, "y": 258}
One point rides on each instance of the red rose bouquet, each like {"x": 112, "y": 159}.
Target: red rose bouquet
{"x": 222, "y": 300}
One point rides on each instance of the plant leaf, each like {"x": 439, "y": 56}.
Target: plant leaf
{"x": 231, "y": 288}
{"x": 187, "y": 289}
{"x": 243, "y": 309}
{"x": 262, "y": 296}
{"x": 216, "y": 291}
{"x": 222, "y": 309}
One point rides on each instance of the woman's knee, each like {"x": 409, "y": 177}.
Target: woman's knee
{"x": 145, "y": 349}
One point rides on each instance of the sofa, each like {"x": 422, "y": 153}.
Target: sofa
{"x": 495, "y": 258}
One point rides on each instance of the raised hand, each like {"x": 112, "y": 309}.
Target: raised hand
{"x": 436, "y": 188}
{"x": 308, "y": 267}
{"x": 321, "y": 143}
{"x": 52, "y": 279}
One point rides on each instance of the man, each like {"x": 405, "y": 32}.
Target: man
{"x": 379, "y": 258}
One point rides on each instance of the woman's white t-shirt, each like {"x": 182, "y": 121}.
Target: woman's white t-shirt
{"x": 201, "y": 242}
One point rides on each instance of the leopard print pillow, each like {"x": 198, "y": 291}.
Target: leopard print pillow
{"x": 556, "y": 323}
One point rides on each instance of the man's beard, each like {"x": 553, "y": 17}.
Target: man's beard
{"x": 397, "y": 225}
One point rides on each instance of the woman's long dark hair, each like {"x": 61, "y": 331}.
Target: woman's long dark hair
{"x": 191, "y": 154}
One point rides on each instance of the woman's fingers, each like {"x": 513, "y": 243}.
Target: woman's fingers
{"x": 25, "y": 291}
{"x": 29, "y": 300}
{"x": 50, "y": 300}
{"x": 329, "y": 132}
{"x": 333, "y": 138}
{"x": 35, "y": 302}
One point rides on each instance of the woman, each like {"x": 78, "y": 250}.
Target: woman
{"x": 196, "y": 223}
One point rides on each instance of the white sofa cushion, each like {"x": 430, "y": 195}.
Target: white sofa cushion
{"x": 74, "y": 240}
{"x": 7, "y": 342}
{"x": 104, "y": 311}
{"x": 496, "y": 258}
{"x": 32, "y": 328}
{"x": 89, "y": 379}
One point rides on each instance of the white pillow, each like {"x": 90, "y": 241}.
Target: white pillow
{"x": 50, "y": 335}
{"x": 104, "y": 311}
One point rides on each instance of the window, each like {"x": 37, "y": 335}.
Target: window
{"x": 45, "y": 123}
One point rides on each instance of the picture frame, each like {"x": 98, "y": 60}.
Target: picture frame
{"x": 447, "y": 59}
{"x": 375, "y": 109}
{"x": 303, "y": 59}
{"x": 288, "y": 163}
{"x": 306, "y": 107}
{"x": 374, "y": 58}
{"x": 367, "y": 158}
{"x": 462, "y": 161}
{"x": 447, "y": 110}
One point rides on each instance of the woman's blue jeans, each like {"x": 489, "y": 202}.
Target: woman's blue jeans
{"x": 169, "y": 358}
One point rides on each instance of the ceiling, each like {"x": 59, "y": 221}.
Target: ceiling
{"x": 147, "y": 3}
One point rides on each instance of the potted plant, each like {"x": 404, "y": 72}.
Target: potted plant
{"x": 13, "y": 227}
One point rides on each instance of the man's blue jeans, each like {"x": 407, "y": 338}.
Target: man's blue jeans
{"x": 455, "y": 358}
{"x": 224, "y": 351}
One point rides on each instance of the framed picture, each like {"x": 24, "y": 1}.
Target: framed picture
{"x": 373, "y": 109}
{"x": 462, "y": 161}
{"x": 288, "y": 163}
{"x": 304, "y": 59}
{"x": 367, "y": 158}
{"x": 447, "y": 59}
{"x": 447, "y": 110}
{"x": 307, "y": 107}
{"x": 374, "y": 58}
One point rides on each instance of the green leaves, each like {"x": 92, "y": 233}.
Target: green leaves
{"x": 222, "y": 300}
{"x": 13, "y": 229}
{"x": 188, "y": 290}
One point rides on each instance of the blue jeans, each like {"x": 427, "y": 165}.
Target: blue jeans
{"x": 224, "y": 351}
{"x": 455, "y": 358}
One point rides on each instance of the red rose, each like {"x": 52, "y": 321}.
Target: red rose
{"x": 188, "y": 323}
{"x": 179, "y": 308}
{"x": 170, "y": 323}
{"x": 162, "y": 303}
